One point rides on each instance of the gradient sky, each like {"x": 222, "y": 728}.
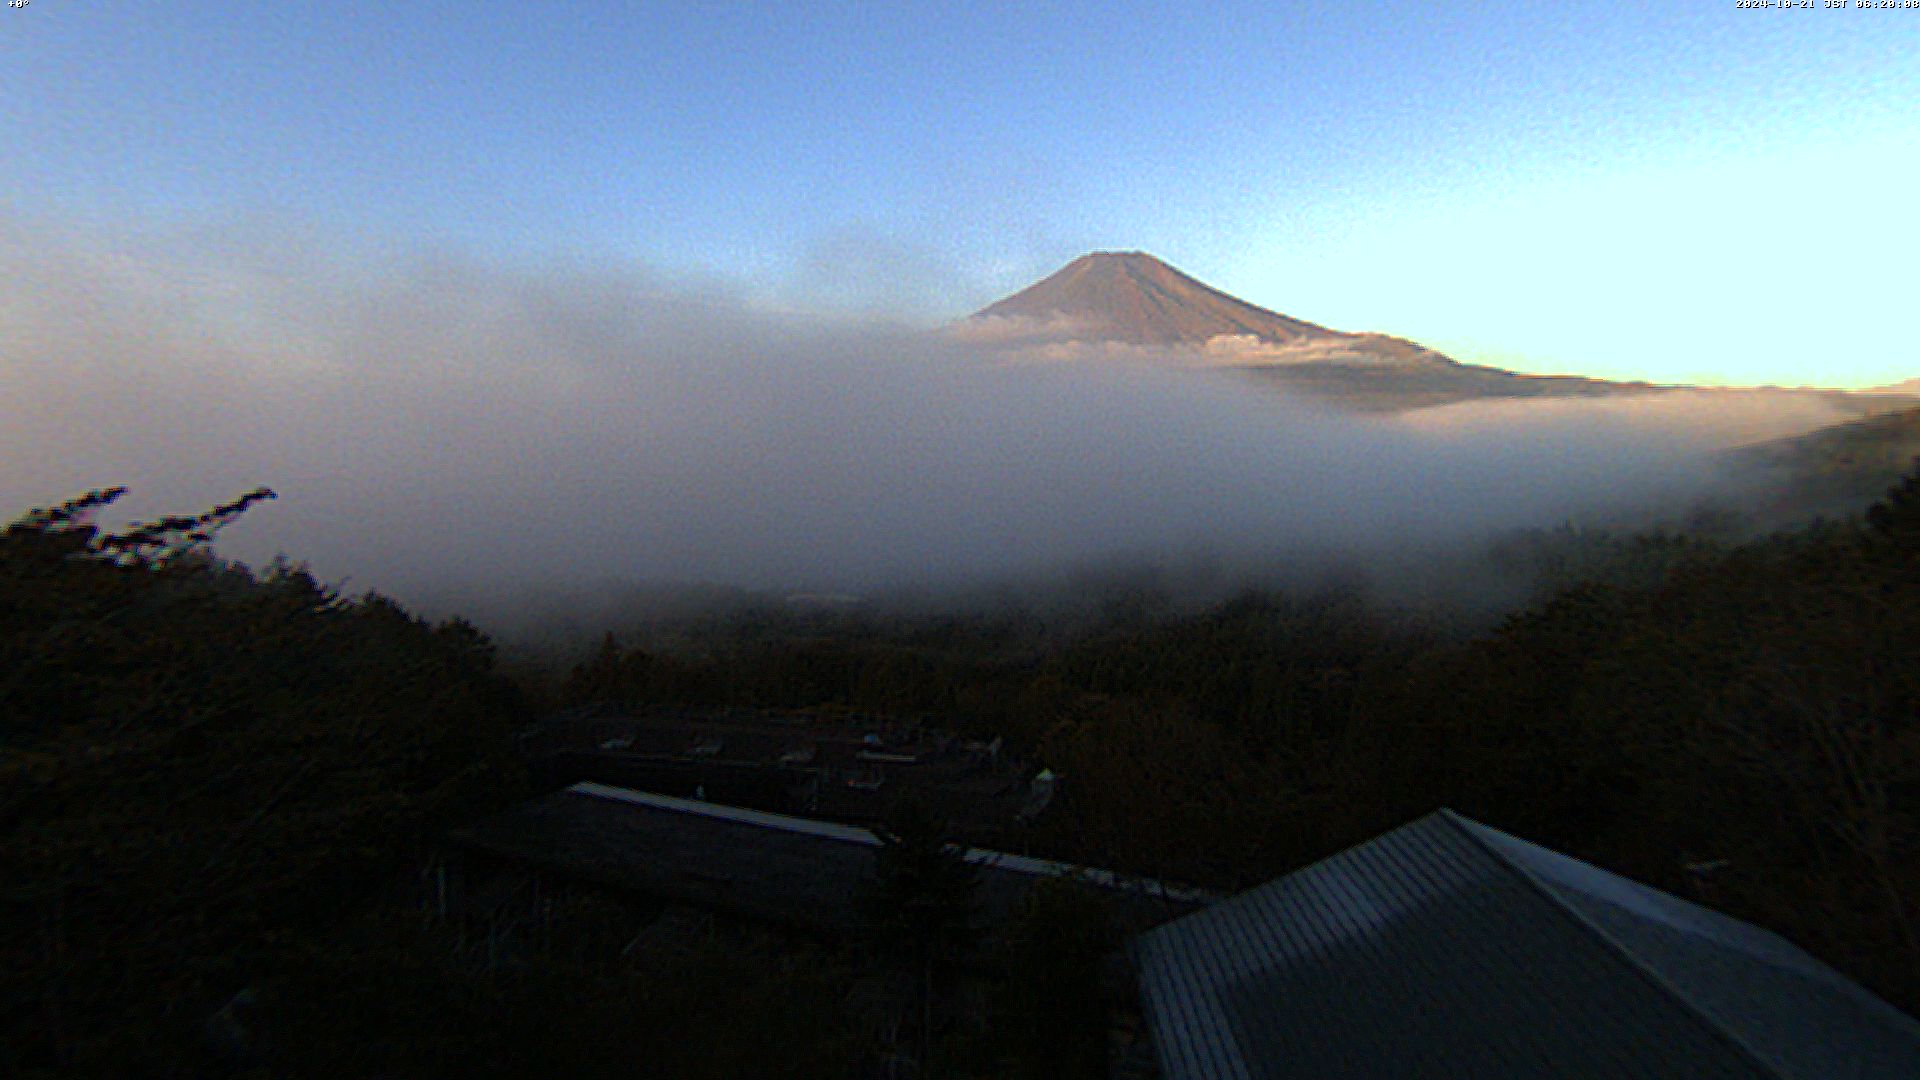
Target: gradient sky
{"x": 1683, "y": 191}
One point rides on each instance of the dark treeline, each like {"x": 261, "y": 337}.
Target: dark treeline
{"x": 202, "y": 771}
{"x": 211, "y": 780}
{"x": 217, "y": 790}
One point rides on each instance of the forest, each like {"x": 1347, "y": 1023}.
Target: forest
{"x": 214, "y": 781}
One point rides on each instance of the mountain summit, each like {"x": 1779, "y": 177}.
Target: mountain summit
{"x": 1131, "y": 296}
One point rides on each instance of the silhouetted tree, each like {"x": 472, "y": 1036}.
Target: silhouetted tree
{"x": 922, "y": 902}
{"x": 1049, "y": 1012}
{"x": 200, "y": 769}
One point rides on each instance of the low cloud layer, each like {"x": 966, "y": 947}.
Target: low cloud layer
{"x": 439, "y": 424}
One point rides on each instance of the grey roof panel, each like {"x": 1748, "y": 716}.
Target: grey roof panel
{"x": 1799, "y": 1015}
{"x": 1446, "y": 949}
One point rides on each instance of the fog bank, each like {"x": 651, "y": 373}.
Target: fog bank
{"x": 440, "y": 425}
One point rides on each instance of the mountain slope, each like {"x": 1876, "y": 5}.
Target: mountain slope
{"x": 1133, "y": 298}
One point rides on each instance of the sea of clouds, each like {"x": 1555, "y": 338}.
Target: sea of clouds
{"x": 442, "y": 424}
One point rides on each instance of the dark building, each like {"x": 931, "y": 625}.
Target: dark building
{"x": 1450, "y": 949}
{"x": 843, "y": 767}
{"x": 801, "y": 874}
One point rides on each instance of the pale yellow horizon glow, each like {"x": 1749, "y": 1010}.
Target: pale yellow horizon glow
{"x": 1785, "y": 268}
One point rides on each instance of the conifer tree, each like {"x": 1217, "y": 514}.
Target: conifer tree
{"x": 922, "y": 902}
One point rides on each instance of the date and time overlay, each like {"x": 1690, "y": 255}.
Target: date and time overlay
{"x": 1827, "y": 5}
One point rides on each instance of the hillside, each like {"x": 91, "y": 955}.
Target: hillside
{"x": 1376, "y": 373}
{"x": 1836, "y": 469}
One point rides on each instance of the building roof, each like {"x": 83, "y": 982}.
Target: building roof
{"x": 851, "y": 768}
{"x": 1447, "y": 948}
{"x": 770, "y": 867}
{"x": 654, "y": 849}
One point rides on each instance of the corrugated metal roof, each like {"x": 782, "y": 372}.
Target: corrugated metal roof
{"x": 1799, "y": 1015}
{"x": 1446, "y": 948}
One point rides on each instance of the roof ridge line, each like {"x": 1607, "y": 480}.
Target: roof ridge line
{"x": 1613, "y": 944}
{"x": 739, "y": 815}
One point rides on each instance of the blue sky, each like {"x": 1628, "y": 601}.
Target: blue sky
{"x": 1685, "y": 191}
